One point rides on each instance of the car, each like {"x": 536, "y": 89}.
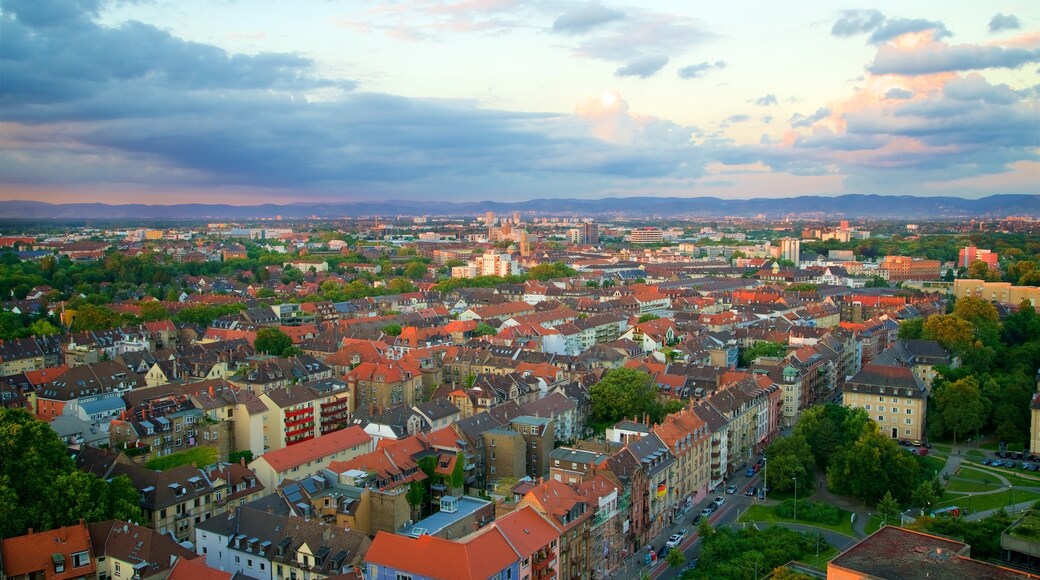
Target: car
{"x": 915, "y": 443}
{"x": 750, "y": 472}
{"x": 904, "y": 442}
{"x": 673, "y": 541}
{"x": 697, "y": 519}
{"x": 996, "y": 463}
{"x": 719, "y": 501}
{"x": 751, "y": 491}
{"x": 922, "y": 451}
{"x": 927, "y": 445}
{"x": 757, "y": 467}
{"x": 692, "y": 565}
{"x": 706, "y": 512}
{"x": 986, "y": 461}
{"x": 761, "y": 493}
{"x": 1001, "y": 454}
{"x": 1018, "y": 455}
{"x": 731, "y": 489}
{"x": 663, "y": 552}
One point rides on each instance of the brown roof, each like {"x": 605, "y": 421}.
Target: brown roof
{"x": 196, "y": 569}
{"x": 133, "y": 543}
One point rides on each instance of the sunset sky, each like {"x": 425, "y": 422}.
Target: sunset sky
{"x": 236, "y": 101}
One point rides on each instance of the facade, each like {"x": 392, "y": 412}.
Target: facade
{"x": 569, "y": 513}
{"x": 969, "y": 254}
{"x": 311, "y": 456}
{"x": 899, "y": 268}
{"x": 791, "y": 249}
{"x": 893, "y": 396}
{"x": 997, "y": 292}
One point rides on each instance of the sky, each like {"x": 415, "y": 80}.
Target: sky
{"x": 243, "y": 102}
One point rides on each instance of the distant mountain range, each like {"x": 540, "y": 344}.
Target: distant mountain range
{"x": 876, "y": 206}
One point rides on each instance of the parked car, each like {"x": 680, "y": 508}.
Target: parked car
{"x": 996, "y": 463}
{"x": 719, "y": 501}
{"x": 1001, "y": 454}
{"x": 673, "y": 541}
{"x": 927, "y": 445}
{"x": 706, "y": 512}
{"x": 987, "y": 461}
{"x": 751, "y": 491}
{"x": 692, "y": 565}
{"x": 915, "y": 443}
{"x": 922, "y": 451}
{"x": 750, "y": 472}
{"x": 1018, "y": 455}
{"x": 731, "y": 489}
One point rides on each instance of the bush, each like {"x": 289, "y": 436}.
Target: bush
{"x": 810, "y": 511}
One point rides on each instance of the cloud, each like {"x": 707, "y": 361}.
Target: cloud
{"x": 642, "y": 35}
{"x": 894, "y": 28}
{"x": 882, "y": 28}
{"x": 737, "y": 119}
{"x": 766, "y": 100}
{"x": 585, "y": 17}
{"x": 643, "y": 68}
{"x": 696, "y": 71}
{"x": 898, "y": 94}
{"x": 1004, "y": 22}
{"x": 853, "y": 22}
{"x": 975, "y": 88}
{"x": 799, "y": 120}
{"x": 937, "y": 57}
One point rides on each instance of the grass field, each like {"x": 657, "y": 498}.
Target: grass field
{"x": 875, "y": 522}
{"x": 820, "y": 563}
{"x": 972, "y": 486}
{"x": 200, "y": 456}
{"x": 990, "y": 501}
{"x": 1014, "y": 476}
{"x": 761, "y": 513}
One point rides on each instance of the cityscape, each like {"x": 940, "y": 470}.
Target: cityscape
{"x": 485, "y": 289}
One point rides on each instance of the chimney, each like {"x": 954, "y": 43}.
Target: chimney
{"x": 242, "y": 461}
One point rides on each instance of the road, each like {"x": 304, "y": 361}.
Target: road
{"x": 728, "y": 515}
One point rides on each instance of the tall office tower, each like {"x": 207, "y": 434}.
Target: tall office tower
{"x": 591, "y": 233}
{"x": 790, "y": 249}
{"x": 489, "y": 218}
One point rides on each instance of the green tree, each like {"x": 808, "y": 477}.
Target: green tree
{"x": 43, "y": 327}
{"x": 871, "y": 466}
{"x": 484, "y": 329}
{"x": 271, "y": 341}
{"x": 416, "y": 496}
{"x": 924, "y": 495}
{"x": 647, "y": 317}
{"x": 458, "y": 473}
{"x": 415, "y": 270}
{"x": 392, "y": 329}
{"x": 153, "y": 311}
{"x": 91, "y": 317}
{"x": 827, "y": 428}
{"x": 551, "y": 270}
{"x": 622, "y": 393}
{"x": 960, "y": 406}
{"x": 888, "y": 509}
{"x": 675, "y": 558}
{"x": 911, "y": 328}
{"x": 790, "y": 459}
{"x": 761, "y": 348}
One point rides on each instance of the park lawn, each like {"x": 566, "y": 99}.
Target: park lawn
{"x": 931, "y": 466}
{"x": 988, "y": 501}
{"x": 200, "y": 456}
{"x": 976, "y": 454}
{"x": 1013, "y": 476}
{"x": 873, "y": 524}
{"x": 971, "y": 486}
{"x": 979, "y": 475}
{"x": 941, "y": 447}
{"x": 994, "y": 446}
{"x": 762, "y": 513}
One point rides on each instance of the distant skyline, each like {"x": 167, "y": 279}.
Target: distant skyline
{"x": 140, "y": 101}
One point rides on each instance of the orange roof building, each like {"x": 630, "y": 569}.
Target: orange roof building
{"x": 53, "y": 555}
{"x": 311, "y": 456}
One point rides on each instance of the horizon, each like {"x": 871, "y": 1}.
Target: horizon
{"x": 117, "y": 102}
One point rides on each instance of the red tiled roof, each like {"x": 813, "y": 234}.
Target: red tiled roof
{"x": 300, "y": 453}
{"x": 484, "y": 555}
{"x": 41, "y": 376}
{"x": 527, "y": 530}
{"x": 196, "y": 570}
{"x": 33, "y": 553}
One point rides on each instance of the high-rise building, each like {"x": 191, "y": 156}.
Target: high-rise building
{"x": 648, "y": 235}
{"x": 591, "y": 230}
{"x": 790, "y": 249}
{"x": 516, "y": 217}
{"x": 489, "y": 218}
{"x": 525, "y": 244}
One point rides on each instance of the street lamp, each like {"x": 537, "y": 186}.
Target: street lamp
{"x": 795, "y": 480}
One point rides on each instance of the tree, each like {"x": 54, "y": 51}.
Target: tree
{"x": 911, "y": 329}
{"x": 271, "y": 341}
{"x": 153, "y": 311}
{"x": 960, "y": 406}
{"x": 458, "y": 473}
{"x": 790, "y": 458}
{"x": 91, "y": 317}
{"x": 43, "y": 327}
{"x": 392, "y": 330}
{"x": 952, "y": 332}
{"x": 871, "y": 466}
{"x": 675, "y": 558}
{"x": 888, "y": 509}
{"x": 923, "y": 495}
{"x": 416, "y": 495}
{"x": 484, "y": 329}
{"x": 622, "y": 393}
{"x": 827, "y": 428}
{"x": 551, "y": 270}
{"x": 415, "y": 270}
{"x": 647, "y": 317}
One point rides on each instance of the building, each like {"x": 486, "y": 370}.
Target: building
{"x": 378, "y": 386}
{"x": 1034, "y": 424}
{"x": 484, "y": 554}
{"x": 489, "y": 264}
{"x": 172, "y": 501}
{"x": 899, "y": 268}
{"x": 790, "y": 249}
{"x": 969, "y": 254}
{"x": 894, "y": 552}
{"x": 569, "y": 513}
{"x": 997, "y": 292}
{"x": 311, "y": 456}
{"x": 893, "y": 397}
{"x": 61, "y": 554}
{"x": 126, "y": 550}
{"x": 647, "y": 235}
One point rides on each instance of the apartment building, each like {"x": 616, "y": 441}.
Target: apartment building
{"x": 893, "y": 397}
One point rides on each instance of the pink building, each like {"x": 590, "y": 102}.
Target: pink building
{"x": 971, "y": 253}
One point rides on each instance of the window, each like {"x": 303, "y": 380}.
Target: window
{"x": 238, "y": 559}
{"x": 867, "y": 407}
{"x": 909, "y": 411}
{"x": 400, "y": 576}
{"x": 882, "y": 399}
{"x": 80, "y": 559}
{"x": 907, "y": 431}
{"x": 881, "y": 418}
{"x": 263, "y": 566}
{"x": 205, "y": 550}
{"x": 909, "y": 421}
{"x": 881, "y": 409}
{"x": 249, "y": 562}
{"x": 117, "y": 568}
